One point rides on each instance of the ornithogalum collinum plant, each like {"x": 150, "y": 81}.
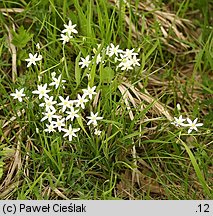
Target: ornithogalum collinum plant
{"x": 105, "y": 100}
{"x": 61, "y": 113}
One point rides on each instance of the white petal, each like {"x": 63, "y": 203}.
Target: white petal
{"x": 199, "y": 124}
{"x": 189, "y": 131}
{"x": 189, "y": 121}
{"x": 195, "y": 121}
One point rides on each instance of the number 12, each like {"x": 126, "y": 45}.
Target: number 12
{"x": 203, "y": 208}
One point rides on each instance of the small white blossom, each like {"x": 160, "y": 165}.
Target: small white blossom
{"x": 178, "y": 107}
{"x": 50, "y": 128}
{"x": 193, "y": 125}
{"x": 178, "y": 121}
{"x": 72, "y": 114}
{"x": 98, "y": 59}
{"x": 135, "y": 61}
{"x": 90, "y": 92}
{"x": 42, "y": 91}
{"x": 38, "y": 46}
{"x": 59, "y": 123}
{"x": 70, "y": 132}
{"x": 81, "y": 101}
{"x": 18, "y": 94}
{"x": 32, "y": 59}
{"x": 49, "y": 115}
{"x": 97, "y": 132}
{"x": 126, "y": 64}
{"x": 128, "y": 53}
{"x": 57, "y": 82}
{"x": 93, "y": 119}
{"x": 65, "y": 38}
{"x": 64, "y": 103}
{"x": 69, "y": 29}
{"x": 85, "y": 62}
{"x": 48, "y": 104}
{"x": 113, "y": 50}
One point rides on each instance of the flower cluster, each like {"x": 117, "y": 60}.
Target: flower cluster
{"x": 59, "y": 112}
{"x": 125, "y": 59}
{"x": 179, "y": 122}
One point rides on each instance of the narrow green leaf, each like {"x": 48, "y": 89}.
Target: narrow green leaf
{"x": 77, "y": 70}
{"x": 80, "y": 122}
{"x": 34, "y": 183}
{"x": 198, "y": 171}
{"x": 1, "y": 169}
{"x": 151, "y": 50}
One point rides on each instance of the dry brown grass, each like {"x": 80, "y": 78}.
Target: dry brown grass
{"x": 176, "y": 32}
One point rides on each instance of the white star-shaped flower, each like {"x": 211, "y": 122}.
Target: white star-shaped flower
{"x": 50, "y": 128}
{"x": 97, "y": 132}
{"x": 98, "y": 59}
{"x": 90, "y": 92}
{"x": 135, "y": 61}
{"x": 69, "y": 29}
{"x": 49, "y": 115}
{"x": 65, "y": 38}
{"x": 48, "y": 104}
{"x": 59, "y": 124}
{"x": 57, "y": 82}
{"x": 33, "y": 59}
{"x": 128, "y": 53}
{"x": 70, "y": 132}
{"x": 113, "y": 50}
{"x": 126, "y": 64}
{"x": 42, "y": 91}
{"x": 193, "y": 125}
{"x": 93, "y": 119}
{"x": 178, "y": 121}
{"x": 81, "y": 101}
{"x": 85, "y": 62}
{"x": 72, "y": 114}
{"x": 64, "y": 103}
{"x": 18, "y": 94}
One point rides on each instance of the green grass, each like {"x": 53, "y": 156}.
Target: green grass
{"x": 144, "y": 157}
